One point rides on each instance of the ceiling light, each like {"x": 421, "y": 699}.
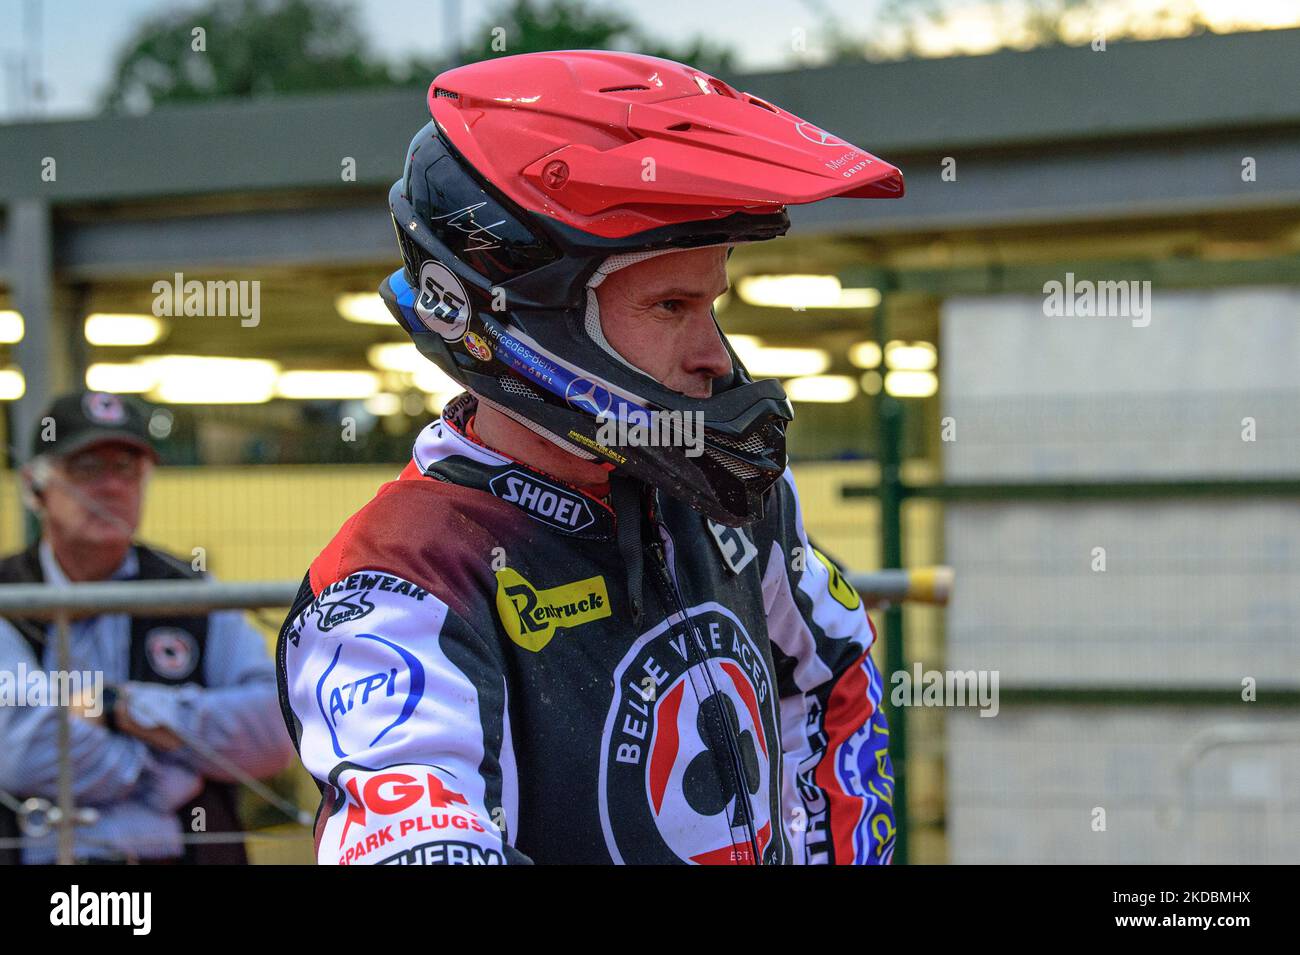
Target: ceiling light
{"x": 194, "y": 379}
{"x": 823, "y": 388}
{"x": 789, "y": 291}
{"x": 12, "y": 384}
{"x": 396, "y": 356}
{"x": 11, "y": 327}
{"x": 804, "y": 291}
{"x": 911, "y": 384}
{"x": 911, "y": 356}
{"x": 117, "y": 330}
{"x": 364, "y": 308}
{"x": 122, "y": 378}
{"x": 857, "y": 298}
{"x": 865, "y": 354}
{"x": 433, "y": 380}
{"x": 326, "y": 385}
{"x": 768, "y": 362}
{"x": 384, "y": 404}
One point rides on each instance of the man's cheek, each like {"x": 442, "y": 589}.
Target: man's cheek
{"x": 63, "y": 509}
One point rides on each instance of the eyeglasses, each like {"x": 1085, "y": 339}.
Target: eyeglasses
{"x": 88, "y": 470}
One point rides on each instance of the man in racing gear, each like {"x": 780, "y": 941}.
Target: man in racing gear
{"x": 542, "y": 643}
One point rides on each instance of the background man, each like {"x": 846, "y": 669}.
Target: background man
{"x": 186, "y": 699}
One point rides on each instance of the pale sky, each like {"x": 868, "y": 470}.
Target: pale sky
{"x": 78, "y": 39}
{"x": 81, "y": 37}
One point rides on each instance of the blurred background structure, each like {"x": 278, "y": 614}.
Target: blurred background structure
{"x": 1119, "y": 496}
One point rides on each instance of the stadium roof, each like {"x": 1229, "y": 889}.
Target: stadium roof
{"x": 1047, "y": 136}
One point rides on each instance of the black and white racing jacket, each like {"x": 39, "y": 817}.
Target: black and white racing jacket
{"x": 468, "y": 678}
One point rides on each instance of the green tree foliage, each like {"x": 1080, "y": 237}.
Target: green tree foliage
{"x": 529, "y": 26}
{"x": 526, "y": 26}
{"x": 248, "y": 48}
{"x": 265, "y": 47}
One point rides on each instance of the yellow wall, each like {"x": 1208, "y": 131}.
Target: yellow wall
{"x": 11, "y": 514}
{"x": 263, "y": 522}
{"x": 267, "y": 522}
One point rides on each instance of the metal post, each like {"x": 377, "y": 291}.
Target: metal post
{"x": 31, "y": 271}
{"x": 66, "y": 820}
{"x": 889, "y": 422}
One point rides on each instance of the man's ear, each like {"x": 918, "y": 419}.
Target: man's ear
{"x": 33, "y": 478}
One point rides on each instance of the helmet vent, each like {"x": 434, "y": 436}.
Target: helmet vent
{"x": 740, "y": 469}
{"x": 518, "y": 388}
{"x": 751, "y": 445}
{"x": 755, "y": 101}
{"x": 445, "y": 94}
{"x": 623, "y": 89}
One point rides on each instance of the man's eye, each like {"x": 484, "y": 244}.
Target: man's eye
{"x": 671, "y": 305}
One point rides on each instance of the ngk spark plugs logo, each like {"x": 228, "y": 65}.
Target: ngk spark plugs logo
{"x": 381, "y": 815}
{"x": 668, "y": 790}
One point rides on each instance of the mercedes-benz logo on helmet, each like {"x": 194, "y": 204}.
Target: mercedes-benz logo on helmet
{"x": 815, "y": 134}
{"x": 586, "y": 395}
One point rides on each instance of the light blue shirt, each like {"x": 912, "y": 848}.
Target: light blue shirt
{"x": 136, "y": 790}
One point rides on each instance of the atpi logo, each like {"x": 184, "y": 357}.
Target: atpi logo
{"x": 688, "y": 695}
{"x": 350, "y": 692}
{"x": 531, "y": 617}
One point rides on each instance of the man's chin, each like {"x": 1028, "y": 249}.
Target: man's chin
{"x": 106, "y": 532}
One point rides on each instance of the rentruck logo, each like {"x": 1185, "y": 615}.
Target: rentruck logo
{"x": 531, "y": 616}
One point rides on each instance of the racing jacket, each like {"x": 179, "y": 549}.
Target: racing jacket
{"x": 479, "y": 669}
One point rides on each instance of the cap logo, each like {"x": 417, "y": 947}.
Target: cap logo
{"x": 104, "y": 408}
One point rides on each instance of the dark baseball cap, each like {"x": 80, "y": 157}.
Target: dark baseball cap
{"x": 79, "y": 420}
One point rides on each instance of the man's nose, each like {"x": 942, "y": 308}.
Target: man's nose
{"x": 112, "y": 484}
{"x": 707, "y": 355}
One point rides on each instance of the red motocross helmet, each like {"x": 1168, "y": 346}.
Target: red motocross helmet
{"x": 542, "y": 173}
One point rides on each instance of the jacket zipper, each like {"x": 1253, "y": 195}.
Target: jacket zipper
{"x": 739, "y": 778}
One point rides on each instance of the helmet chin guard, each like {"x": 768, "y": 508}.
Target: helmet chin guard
{"x": 502, "y": 255}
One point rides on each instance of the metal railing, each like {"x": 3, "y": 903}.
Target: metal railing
{"x": 64, "y": 603}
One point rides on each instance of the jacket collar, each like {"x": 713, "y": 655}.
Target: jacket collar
{"x": 444, "y": 452}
